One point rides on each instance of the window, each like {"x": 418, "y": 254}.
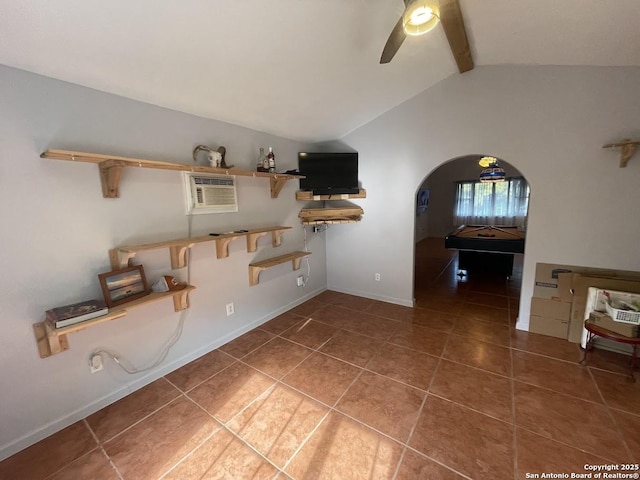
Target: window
{"x": 502, "y": 203}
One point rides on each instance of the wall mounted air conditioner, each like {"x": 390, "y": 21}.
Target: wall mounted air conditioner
{"x": 206, "y": 193}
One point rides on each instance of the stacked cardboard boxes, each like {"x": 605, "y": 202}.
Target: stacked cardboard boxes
{"x": 560, "y": 296}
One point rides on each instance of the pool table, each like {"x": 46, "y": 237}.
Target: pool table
{"x": 486, "y": 247}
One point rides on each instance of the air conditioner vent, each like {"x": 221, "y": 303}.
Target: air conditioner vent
{"x": 206, "y": 193}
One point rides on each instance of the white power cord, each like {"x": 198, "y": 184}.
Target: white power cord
{"x": 173, "y": 339}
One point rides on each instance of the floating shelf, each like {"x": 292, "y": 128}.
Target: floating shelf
{"x": 120, "y": 256}
{"x": 257, "y": 267}
{"x": 111, "y": 166}
{"x": 54, "y": 340}
{"x": 317, "y": 216}
{"x": 306, "y": 195}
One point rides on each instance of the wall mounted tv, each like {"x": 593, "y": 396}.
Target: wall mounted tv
{"x": 329, "y": 173}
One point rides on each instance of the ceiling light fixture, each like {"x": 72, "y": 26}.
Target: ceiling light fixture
{"x": 491, "y": 172}
{"x": 420, "y": 16}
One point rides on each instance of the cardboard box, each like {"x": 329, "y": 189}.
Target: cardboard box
{"x": 580, "y": 284}
{"x": 605, "y": 321}
{"x": 542, "y": 307}
{"x": 546, "y": 280}
{"x": 549, "y": 326}
{"x": 552, "y": 284}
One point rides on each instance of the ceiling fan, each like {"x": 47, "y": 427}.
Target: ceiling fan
{"x": 421, "y": 16}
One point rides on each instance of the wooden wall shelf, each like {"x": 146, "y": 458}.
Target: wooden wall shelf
{"x": 54, "y": 340}
{"x": 317, "y": 216}
{"x": 120, "y": 256}
{"x": 306, "y": 195}
{"x": 257, "y": 267}
{"x": 111, "y": 166}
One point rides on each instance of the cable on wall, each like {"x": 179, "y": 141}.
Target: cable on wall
{"x": 126, "y": 365}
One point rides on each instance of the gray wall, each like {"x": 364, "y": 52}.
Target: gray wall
{"x": 57, "y": 230}
{"x": 548, "y": 122}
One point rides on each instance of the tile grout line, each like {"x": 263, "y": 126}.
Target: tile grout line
{"x": 223, "y": 426}
{"x": 331, "y": 409}
{"x": 420, "y": 412}
{"x": 610, "y": 414}
{"x": 514, "y": 440}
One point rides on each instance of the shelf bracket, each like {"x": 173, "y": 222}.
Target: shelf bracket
{"x": 252, "y": 241}
{"x": 120, "y": 258}
{"x": 110, "y": 172}
{"x": 277, "y": 183}
{"x": 276, "y": 238}
{"x": 181, "y": 300}
{"x": 49, "y": 342}
{"x": 178, "y": 254}
{"x": 627, "y": 150}
{"x": 222, "y": 246}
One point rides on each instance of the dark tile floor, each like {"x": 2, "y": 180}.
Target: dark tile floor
{"x": 344, "y": 387}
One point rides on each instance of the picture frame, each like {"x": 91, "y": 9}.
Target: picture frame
{"x": 124, "y": 285}
{"x": 422, "y": 201}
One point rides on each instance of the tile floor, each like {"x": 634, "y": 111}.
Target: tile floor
{"x": 343, "y": 387}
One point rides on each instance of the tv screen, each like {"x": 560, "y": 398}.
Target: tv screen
{"x": 329, "y": 173}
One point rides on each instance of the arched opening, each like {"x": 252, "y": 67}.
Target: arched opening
{"x": 476, "y": 273}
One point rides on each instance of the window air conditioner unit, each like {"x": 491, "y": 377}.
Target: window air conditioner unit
{"x": 206, "y": 193}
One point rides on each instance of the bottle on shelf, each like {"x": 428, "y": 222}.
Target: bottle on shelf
{"x": 272, "y": 160}
{"x": 262, "y": 160}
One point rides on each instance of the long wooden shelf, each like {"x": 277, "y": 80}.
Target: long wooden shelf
{"x": 111, "y": 166}
{"x": 306, "y": 195}
{"x": 255, "y": 268}
{"x": 54, "y": 340}
{"x": 120, "y": 256}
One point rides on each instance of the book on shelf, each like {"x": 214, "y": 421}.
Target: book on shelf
{"x": 75, "y": 313}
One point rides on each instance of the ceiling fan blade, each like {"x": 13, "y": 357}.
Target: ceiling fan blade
{"x": 453, "y": 25}
{"x": 393, "y": 43}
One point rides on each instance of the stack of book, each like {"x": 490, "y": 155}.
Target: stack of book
{"x": 78, "y": 312}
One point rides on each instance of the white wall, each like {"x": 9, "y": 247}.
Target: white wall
{"x": 57, "y": 230}
{"x": 549, "y": 122}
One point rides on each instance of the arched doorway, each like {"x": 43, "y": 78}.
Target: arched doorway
{"x": 444, "y": 201}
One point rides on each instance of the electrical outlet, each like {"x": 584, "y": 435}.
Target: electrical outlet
{"x": 230, "y": 309}
{"x": 95, "y": 363}
{"x": 300, "y": 281}
{"x": 377, "y": 277}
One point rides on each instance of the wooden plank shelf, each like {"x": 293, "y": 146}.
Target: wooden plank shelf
{"x": 120, "y": 256}
{"x": 54, "y": 340}
{"x": 306, "y": 195}
{"x": 111, "y": 166}
{"x": 318, "y": 216}
{"x": 255, "y": 268}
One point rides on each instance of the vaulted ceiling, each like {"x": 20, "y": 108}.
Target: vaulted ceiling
{"x": 302, "y": 69}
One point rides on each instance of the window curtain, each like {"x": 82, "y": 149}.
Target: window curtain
{"x": 502, "y": 203}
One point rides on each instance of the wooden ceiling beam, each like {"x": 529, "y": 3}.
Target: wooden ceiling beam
{"x": 453, "y": 25}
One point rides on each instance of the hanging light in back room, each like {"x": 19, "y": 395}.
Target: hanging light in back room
{"x": 491, "y": 172}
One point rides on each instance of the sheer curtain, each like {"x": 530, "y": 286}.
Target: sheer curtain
{"x": 502, "y": 203}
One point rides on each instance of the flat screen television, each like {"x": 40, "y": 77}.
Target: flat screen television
{"x": 329, "y": 173}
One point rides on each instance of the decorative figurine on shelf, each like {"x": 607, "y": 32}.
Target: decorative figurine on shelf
{"x": 216, "y": 157}
{"x": 262, "y": 159}
{"x": 272, "y": 160}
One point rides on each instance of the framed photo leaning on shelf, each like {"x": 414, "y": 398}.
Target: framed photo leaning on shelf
{"x": 122, "y": 286}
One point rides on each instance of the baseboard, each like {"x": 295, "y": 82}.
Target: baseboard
{"x": 55, "y": 426}
{"x": 373, "y": 296}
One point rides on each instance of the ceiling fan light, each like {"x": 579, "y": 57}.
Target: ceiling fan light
{"x": 420, "y": 17}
